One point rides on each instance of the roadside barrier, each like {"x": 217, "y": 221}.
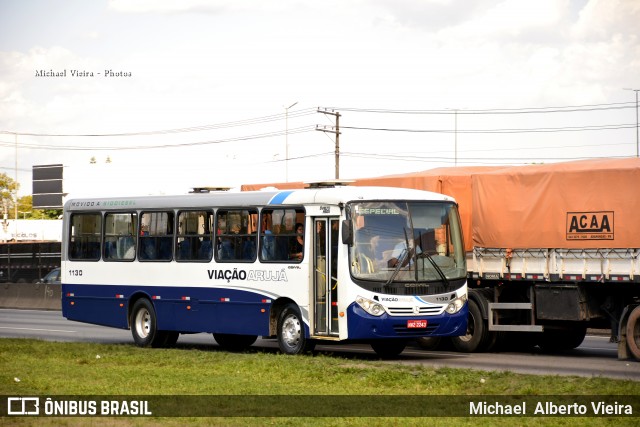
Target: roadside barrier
{"x": 36, "y": 296}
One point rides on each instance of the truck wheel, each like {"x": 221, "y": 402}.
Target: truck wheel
{"x": 633, "y": 333}
{"x": 143, "y": 325}
{"x": 478, "y": 337}
{"x": 291, "y": 339}
{"x": 562, "y": 339}
{"x": 518, "y": 341}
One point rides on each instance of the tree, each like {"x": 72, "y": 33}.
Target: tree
{"x": 8, "y": 188}
{"x": 25, "y": 204}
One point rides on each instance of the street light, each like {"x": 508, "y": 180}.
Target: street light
{"x": 286, "y": 140}
{"x": 637, "y": 129}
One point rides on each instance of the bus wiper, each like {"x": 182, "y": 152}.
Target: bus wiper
{"x": 437, "y": 268}
{"x": 406, "y": 253}
{"x": 400, "y": 260}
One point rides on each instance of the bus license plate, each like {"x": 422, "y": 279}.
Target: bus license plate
{"x": 416, "y": 324}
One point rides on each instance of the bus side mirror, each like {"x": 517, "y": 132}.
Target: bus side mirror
{"x": 347, "y": 232}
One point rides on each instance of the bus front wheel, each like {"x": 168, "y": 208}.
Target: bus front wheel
{"x": 144, "y": 329}
{"x": 388, "y": 349}
{"x": 291, "y": 339}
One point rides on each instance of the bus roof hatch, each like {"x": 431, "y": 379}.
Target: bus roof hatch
{"x": 330, "y": 183}
{"x": 198, "y": 190}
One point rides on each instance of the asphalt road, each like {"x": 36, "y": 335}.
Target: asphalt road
{"x": 596, "y": 357}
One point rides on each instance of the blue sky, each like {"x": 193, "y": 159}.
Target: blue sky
{"x": 226, "y": 70}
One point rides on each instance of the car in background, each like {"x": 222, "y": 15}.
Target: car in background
{"x": 52, "y": 277}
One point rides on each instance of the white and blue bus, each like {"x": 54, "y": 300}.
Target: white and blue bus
{"x": 350, "y": 264}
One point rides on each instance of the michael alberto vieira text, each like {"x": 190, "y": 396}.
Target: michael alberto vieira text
{"x": 550, "y": 408}
{"x": 81, "y": 73}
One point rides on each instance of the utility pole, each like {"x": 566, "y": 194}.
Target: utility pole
{"x": 15, "y": 205}
{"x": 286, "y": 140}
{"x": 335, "y": 130}
{"x": 637, "y": 129}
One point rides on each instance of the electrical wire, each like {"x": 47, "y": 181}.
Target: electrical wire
{"x": 468, "y": 160}
{"x": 301, "y": 129}
{"x": 245, "y": 122}
{"x": 479, "y": 131}
{"x": 529, "y": 110}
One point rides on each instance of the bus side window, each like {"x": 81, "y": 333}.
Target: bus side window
{"x": 194, "y": 236}
{"x": 85, "y": 236}
{"x": 279, "y": 237}
{"x": 156, "y": 236}
{"x": 236, "y": 232}
{"x": 119, "y": 236}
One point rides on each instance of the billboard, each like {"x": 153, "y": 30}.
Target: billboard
{"x": 47, "y": 186}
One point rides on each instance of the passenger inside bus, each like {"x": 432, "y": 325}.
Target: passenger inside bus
{"x": 226, "y": 251}
{"x": 320, "y": 239}
{"x": 268, "y": 244}
{"x": 249, "y": 248}
{"x": 206, "y": 249}
{"x": 296, "y": 246}
{"x": 126, "y": 247}
{"x": 423, "y": 242}
{"x": 148, "y": 249}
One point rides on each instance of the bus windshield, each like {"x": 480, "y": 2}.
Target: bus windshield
{"x": 407, "y": 243}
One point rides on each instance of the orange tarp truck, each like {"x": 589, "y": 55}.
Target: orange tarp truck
{"x": 551, "y": 249}
{"x": 584, "y": 204}
{"x": 575, "y": 205}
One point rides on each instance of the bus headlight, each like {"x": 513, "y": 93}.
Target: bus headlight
{"x": 456, "y": 305}
{"x": 371, "y": 307}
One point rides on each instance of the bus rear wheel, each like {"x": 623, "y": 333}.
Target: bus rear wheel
{"x": 144, "y": 328}
{"x": 235, "y": 342}
{"x": 291, "y": 338}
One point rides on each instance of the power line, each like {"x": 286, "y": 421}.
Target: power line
{"x": 309, "y": 128}
{"x": 301, "y": 129}
{"x": 529, "y": 110}
{"x": 12, "y": 168}
{"x": 238, "y": 123}
{"x": 310, "y": 111}
{"x": 537, "y": 147}
{"x": 526, "y": 130}
{"x": 471, "y": 160}
{"x": 308, "y": 156}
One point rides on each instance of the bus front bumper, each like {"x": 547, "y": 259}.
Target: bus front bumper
{"x": 362, "y": 325}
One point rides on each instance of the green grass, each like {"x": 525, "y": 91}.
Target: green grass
{"x": 46, "y": 368}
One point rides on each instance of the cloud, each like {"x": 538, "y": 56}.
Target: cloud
{"x": 429, "y": 15}
{"x": 24, "y": 96}
{"x": 169, "y": 6}
{"x": 204, "y": 62}
{"x": 603, "y": 20}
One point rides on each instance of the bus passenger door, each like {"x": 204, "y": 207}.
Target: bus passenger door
{"x": 325, "y": 289}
